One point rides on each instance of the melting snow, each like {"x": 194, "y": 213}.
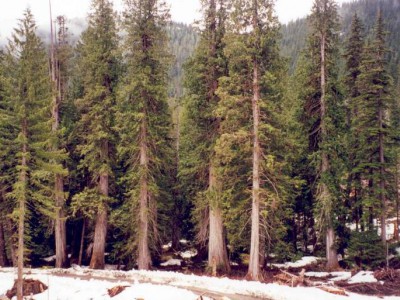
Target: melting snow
{"x": 189, "y": 253}
{"x": 172, "y": 262}
{"x": 168, "y": 284}
{"x": 335, "y": 276}
{"x": 167, "y": 246}
{"x": 305, "y": 261}
{"x": 65, "y": 288}
{"x": 363, "y": 277}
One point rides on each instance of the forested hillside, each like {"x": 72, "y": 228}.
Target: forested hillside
{"x": 128, "y": 148}
{"x": 294, "y": 34}
{"x": 183, "y": 40}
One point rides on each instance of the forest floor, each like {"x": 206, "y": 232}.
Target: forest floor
{"x": 182, "y": 276}
{"x": 301, "y": 280}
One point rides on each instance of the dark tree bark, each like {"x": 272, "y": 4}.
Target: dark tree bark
{"x": 100, "y": 233}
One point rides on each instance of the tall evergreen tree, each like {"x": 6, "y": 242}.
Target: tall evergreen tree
{"x": 31, "y": 114}
{"x": 354, "y": 51}
{"x": 374, "y": 85}
{"x": 247, "y": 111}
{"x": 6, "y": 162}
{"x": 144, "y": 123}
{"x": 98, "y": 60}
{"x": 322, "y": 115}
{"x": 203, "y": 73}
{"x": 59, "y": 54}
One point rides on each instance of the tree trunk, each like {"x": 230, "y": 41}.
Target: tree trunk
{"x": 100, "y": 232}
{"x": 177, "y": 219}
{"x": 21, "y": 213}
{"x": 217, "y": 253}
{"x": 3, "y": 256}
{"x": 254, "y": 264}
{"x": 82, "y": 243}
{"x": 11, "y": 241}
{"x": 382, "y": 180}
{"x": 331, "y": 254}
{"x": 396, "y": 229}
{"x": 60, "y": 230}
{"x": 144, "y": 258}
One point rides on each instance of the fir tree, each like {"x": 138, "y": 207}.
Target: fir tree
{"x": 99, "y": 65}
{"x": 60, "y": 51}
{"x": 323, "y": 116}
{"x": 144, "y": 124}
{"x": 249, "y": 99}
{"x": 374, "y": 85}
{"x": 30, "y": 110}
{"x": 353, "y": 55}
{"x": 203, "y": 72}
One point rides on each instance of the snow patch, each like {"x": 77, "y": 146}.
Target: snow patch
{"x": 170, "y": 285}
{"x": 363, "y": 277}
{"x": 304, "y": 261}
{"x": 172, "y": 262}
{"x": 167, "y": 246}
{"x": 65, "y": 288}
{"x": 52, "y": 258}
{"x": 188, "y": 254}
{"x": 114, "y": 267}
{"x": 335, "y": 276}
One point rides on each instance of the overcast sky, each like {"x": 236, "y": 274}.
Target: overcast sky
{"x": 182, "y": 10}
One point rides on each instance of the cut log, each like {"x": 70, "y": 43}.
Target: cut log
{"x": 30, "y": 287}
{"x": 333, "y": 290}
{"x": 293, "y": 280}
{"x": 116, "y": 290}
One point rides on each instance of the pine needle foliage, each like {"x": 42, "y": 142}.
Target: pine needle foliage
{"x": 144, "y": 124}
{"x": 99, "y": 66}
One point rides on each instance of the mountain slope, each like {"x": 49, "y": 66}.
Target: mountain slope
{"x": 294, "y": 34}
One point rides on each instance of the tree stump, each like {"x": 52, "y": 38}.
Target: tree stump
{"x": 30, "y": 287}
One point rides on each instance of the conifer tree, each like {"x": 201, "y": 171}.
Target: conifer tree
{"x": 203, "y": 73}
{"x": 374, "y": 85}
{"x": 59, "y": 54}
{"x": 322, "y": 115}
{"x": 98, "y": 59}
{"x": 8, "y": 133}
{"x": 36, "y": 158}
{"x": 353, "y": 55}
{"x": 5, "y": 166}
{"x": 395, "y": 120}
{"x": 144, "y": 124}
{"x": 246, "y": 109}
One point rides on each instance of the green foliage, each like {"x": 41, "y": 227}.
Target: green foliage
{"x": 233, "y": 148}
{"x": 98, "y": 61}
{"x": 371, "y": 123}
{"x": 144, "y": 121}
{"x": 29, "y": 143}
{"x": 366, "y": 249}
{"x": 294, "y": 33}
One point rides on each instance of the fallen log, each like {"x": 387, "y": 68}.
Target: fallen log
{"x": 116, "y": 290}
{"x": 333, "y": 290}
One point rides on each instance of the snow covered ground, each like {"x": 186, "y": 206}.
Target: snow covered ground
{"x": 304, "y": 261}
{"x": 160, "y": 285}
{"x": 69, "y": 288}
